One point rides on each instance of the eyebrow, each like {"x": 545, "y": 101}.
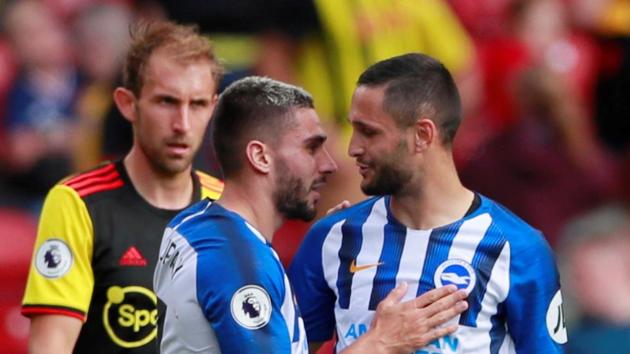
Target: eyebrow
{"x": 317, "y": 139}
{"x": 360, "y": 124}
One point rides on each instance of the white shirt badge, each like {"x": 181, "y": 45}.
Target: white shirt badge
{"x": 251, "y": 307}
{"x": 53, "y": 259}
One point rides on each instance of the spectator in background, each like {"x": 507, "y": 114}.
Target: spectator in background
{"x": 548, "y": 165}
{"x": 40, "y": 123}
{"x": 101, "y": 35}
{"x": 541, "y": 158}
{"x": 536, "y": 33}
{"x": 596, "y": 271}
{"x": 609, "y": 22}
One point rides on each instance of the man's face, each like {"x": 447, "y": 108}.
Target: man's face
{"x": 302, "y": 166}
{"x": 173, "y": 111}
{"x": 377, "y": 144}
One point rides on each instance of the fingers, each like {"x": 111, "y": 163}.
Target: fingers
{"x": 447, "y": 314}
{"x": 445, "y": 303}
{"x": 432, "y": 296}
{"x": 395, "y": 295}
{"x": 344, "y": 204}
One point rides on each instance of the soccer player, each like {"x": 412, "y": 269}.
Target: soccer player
{"x": 224, "y": 287}
{"x": 89, "y": 286}
{"x": 424, "y": 227}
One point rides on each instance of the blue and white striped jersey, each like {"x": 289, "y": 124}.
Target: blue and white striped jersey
{"x": 350, "y": 260}
{"x": 224, "y": 288}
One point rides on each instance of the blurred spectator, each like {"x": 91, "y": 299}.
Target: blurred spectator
{"x": 547, "y": 166}
{"x": 482, "y": 18}
{"x": 355, "y": 34}
{"x": 609, "y": 22}
{"x": 596, "y": 270}
{"x": 39, "y": 122}
{"x": 538, "y": 33}
{"x": 533, "y": 146}
{"x": 101, "y": 34}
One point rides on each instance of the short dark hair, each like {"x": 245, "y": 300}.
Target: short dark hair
{"x": 182, "y": 41}
{"x": 417, "y": 85}
{"x": 253, "y": 108}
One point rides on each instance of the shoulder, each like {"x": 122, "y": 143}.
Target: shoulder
{"x": 206, "y": 223}
{"x": 211, "y": 187}
{"x": 516, "y": 231}
{"x": 103, "y": 178}
{"x": 360, "y": 210}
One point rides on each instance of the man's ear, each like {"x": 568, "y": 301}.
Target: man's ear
{"x": 258, "y": 156}
{"x": 126, "y": 102}
{"x": 425, "y": 133}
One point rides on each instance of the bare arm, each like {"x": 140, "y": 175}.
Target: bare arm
{"x": 405, "y": 327}
{"x": 53, "y": 334}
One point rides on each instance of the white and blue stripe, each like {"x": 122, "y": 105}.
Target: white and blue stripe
{"x": 515, "y": 272}
{"x": 207, "y": 255}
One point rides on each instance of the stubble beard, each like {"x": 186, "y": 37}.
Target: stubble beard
{"x": 390, "y": 176}
{"x": 290, "y": 197}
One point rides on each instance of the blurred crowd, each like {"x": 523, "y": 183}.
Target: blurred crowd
{"x": 545, "y": 86}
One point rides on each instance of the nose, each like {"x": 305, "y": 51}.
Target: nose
{"x": 354, "y": 148}
{"x": 181, "y": 122}
{"x": 327, "y": 164}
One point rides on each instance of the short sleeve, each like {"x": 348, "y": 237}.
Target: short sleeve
{"x": 241, "y": 292}
{"x": 314, "y": 297}
{"x": 60, "y": 279}
{"x": 534, "y": 304}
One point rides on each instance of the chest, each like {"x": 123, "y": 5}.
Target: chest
{"x": 363, "y": 264}
{"x": 126, "y": 244}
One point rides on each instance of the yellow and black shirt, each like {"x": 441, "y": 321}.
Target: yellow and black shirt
{"x": 96, "y": 249}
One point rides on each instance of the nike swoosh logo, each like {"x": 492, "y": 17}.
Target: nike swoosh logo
{"x": 355, "y": 268}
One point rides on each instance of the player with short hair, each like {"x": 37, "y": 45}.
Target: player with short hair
{"x": 89, "y": 286}
{"x": 224, "y": 287}
{"x": 424, "y": 227}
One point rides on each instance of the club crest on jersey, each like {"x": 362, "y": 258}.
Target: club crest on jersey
{"x": 53, "y": 259}
{"x": 251, "y": 307}
{"x": 457, "y": 272}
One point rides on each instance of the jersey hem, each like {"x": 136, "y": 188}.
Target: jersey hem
{"x": 31, "y": 310}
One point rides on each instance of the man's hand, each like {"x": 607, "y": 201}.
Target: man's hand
{"x": 342, "y": 205}
{"x": 405, "y": 327}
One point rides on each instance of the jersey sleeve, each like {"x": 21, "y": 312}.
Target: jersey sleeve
{"x": 534, "y": 304}
{"x": 241, "y": 295}
{"x": 314, "y": 297}
{"x": 60, "y": 279}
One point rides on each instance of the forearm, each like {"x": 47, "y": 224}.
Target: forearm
{"x": 54, "y": 334}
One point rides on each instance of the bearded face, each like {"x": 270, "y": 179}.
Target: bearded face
{"x": 389, "y": 173}
{"x": 291, "y": 196}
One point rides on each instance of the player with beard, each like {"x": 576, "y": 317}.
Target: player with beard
{"x": 224, "y": 287}
{"x": 424, "y": 227}
{"x": 104, "y": 225}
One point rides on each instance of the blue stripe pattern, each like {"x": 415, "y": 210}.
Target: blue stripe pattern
{"x": 440, "y": 243}
{"x": 483, "y": 261}
{"x": 385, "y": 278}
{"x": 498, "y": 330}
{"x": 350, "y": 247}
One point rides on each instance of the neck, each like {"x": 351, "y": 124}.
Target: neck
{"x": 164, "y": 191}
{"x": 254, "y": 204}
{"x": 435, "y": 198}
